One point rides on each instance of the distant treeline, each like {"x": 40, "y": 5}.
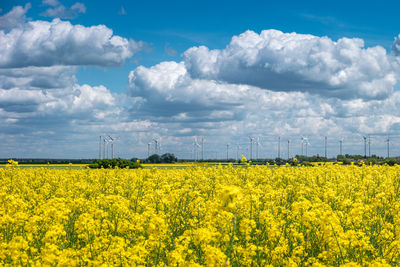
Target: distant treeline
{"x": 51, "y": 161}
{"x": 171, "y": 158}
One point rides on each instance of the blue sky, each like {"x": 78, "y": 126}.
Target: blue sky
{"x": 154, "y": 83}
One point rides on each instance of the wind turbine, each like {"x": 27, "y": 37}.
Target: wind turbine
{"x": 155, "y": 145}
{"x": 111, "y": 140}
{"x": 159, "y": 145}
{"x": 326, "y": 154}
{"x": 340, "y": 145}
{"x": 279, "y": 147}
{"x": 288, "y": 149}
{"x": 369, "y": 146}
{"x": 101, "y": 137}
{"x": 106, "y": 141}
{"x": 227, "y": 152}
{"x": 259, "y": 143}
{"x": 388, "y": 144}
{"x": 195, "y": 146}
{"x": 306, "y": 143}
{"x": 365, "y": 146}
{"x": 202, "y": 148}
{"x": 104, "y": 147}
{"x": 251, "y": 147}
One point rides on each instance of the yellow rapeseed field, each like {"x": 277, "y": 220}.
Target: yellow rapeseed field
{"x": 216, "y": 216}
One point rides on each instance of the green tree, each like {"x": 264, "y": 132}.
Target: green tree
{"x": 155, "y": 158}
{"x": 168, "y": 158}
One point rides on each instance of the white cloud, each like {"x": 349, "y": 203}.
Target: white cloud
{"x": 50, "y": 2}
{"x": 168, "y": 91}
{"x": 20, "y": 101}
{"x": 15, "y": 17}
{"x": 33, "y": 78}
{"x": 188, "y": 105}
{"x": 396, "y": 46}
{"x": 44, "y": 110}
{"x": 58, "y": 10}
{"x": 298, "y": 62}
{"x": 266, "y": 85}
{"x": 42, "y": 43}
{"x": 56, "y": 123}
{"x": 79, "y": 100}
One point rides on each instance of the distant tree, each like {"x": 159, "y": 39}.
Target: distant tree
{"x": 390, "y": 161}
{"x": 114, "y": 163}
{"x": 340, "y": 157}
{"x": 134, "y": 159}
{"x": 155, "y": 158}
{"x": 168, "y": 158}
{"x": 346, "y": 161}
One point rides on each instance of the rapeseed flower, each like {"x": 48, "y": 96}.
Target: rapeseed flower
{"x": 216, "y": 216}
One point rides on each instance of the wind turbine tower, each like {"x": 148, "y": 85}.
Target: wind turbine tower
{"x": 196, "y": 145}
{"x": 388, "y": 141}
{"x": 104, "y": 148}
{"x": 307, "y": 147}
{"x": 111, "y": 140}
{"x": 257, "y": 141}
{"x": 202, "y": 148}
{"x": 251, "y": 147}
{"x": 279, "y": 147}
{"x": 155, "y": 146}
{"x": 365, "y": 146}
{"x": 304, "y": 140}
{"x": 369, "y": 145}
{"x": 100, "y": 147}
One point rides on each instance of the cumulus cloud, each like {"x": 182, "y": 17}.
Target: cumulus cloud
{"x": 42, "y": 43}
{"x": 15, "y": 17}
{"x": 34, "y": 78}
{"x": 51, "y": 2}
{"x": 268, "y": 85}
{"x": 396, "y": 46}
{"x": 20, "y": 101}
{"x": 58, "y": 10}
{"x": 44, "y": 110}
{"x": 167, "y": 90}
{"x": 81, "y": 102}
{"x": 188, "y": 104}
{"x": 298, "y": 62}
{"x": 56, "y": 123}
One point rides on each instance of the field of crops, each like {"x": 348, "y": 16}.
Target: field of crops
{"x": 223, "y": 216}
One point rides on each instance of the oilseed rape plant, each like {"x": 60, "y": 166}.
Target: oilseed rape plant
{"x": 218, "y": 216}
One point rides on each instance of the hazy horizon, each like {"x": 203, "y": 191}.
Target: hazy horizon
{"x": 178, "y": 71}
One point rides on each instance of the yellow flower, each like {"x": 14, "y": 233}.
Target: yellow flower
{"x": 196, "y": 215}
